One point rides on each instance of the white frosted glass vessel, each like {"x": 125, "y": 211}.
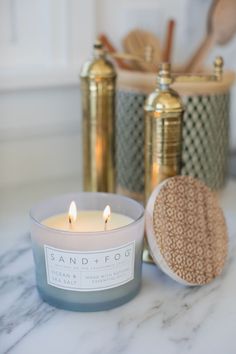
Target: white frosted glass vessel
{"x": 88, "y": 271}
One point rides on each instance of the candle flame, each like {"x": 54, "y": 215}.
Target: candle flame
{"x": 106, "y": 213}
{"x": 72, "y": 215}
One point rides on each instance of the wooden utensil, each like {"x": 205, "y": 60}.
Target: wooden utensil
{"x": 111, "y": 49}
{"x": 220, "y": 29}
{"x": 167, "y": 51}
{"x": 145, "y": 45}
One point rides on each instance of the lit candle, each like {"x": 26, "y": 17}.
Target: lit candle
{"x": 106, "y": 216}
{"x": 87, "y": 220}
{"x": 72, "y": 215}
{"x": 88, "y": 259}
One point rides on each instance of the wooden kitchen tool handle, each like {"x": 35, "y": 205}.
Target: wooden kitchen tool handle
{"x": 111, "y": 49}
{"x": 166, "y": 57}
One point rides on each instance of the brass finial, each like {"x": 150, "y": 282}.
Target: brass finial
{"x": 164, "y": 77}
{"x": 98, "y": 49}
{"x": 218, "y": 67}
{"x": 98, "y": 44}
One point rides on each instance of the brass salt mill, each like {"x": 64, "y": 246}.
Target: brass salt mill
{"x": 163, "y": 134}
{"x": 98, "y": 83}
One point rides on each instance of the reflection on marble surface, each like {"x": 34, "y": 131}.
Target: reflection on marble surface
{"x": 165, "y": 318}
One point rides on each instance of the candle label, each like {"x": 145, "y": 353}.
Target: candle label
{"x": 90, "y": 271}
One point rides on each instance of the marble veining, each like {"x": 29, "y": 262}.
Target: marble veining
{"x": 21, "y": 307}
{"x": 164, "y": 318}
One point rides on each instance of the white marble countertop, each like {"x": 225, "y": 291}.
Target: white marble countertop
{"x": 164, "y": 318}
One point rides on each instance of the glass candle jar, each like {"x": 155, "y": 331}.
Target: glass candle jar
{"x": 88, "y": 271}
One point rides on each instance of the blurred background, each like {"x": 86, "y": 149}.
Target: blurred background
{"x": 42, "y": 46}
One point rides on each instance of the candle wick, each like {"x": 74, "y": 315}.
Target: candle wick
{"x": 105, "y": 225}
{"x": 70, "y": 221}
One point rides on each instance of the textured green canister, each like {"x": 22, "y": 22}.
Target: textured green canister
{"x": 205, "y": 130}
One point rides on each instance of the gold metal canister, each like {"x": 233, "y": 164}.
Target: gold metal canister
{"x": 98, "y": 84}
{"x": 163, "y": 134}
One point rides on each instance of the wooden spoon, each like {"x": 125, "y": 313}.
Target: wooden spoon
{"x": 221, "y": 28}
{"x": 145, "y": 45}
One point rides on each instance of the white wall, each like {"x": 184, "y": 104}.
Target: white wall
{"x": 40, "y": 134}
{"x": 42, "y": 46}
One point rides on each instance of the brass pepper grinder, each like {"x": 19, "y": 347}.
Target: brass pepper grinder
{"x": 163, "y": 134}
{"x": 98, "y": 83}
